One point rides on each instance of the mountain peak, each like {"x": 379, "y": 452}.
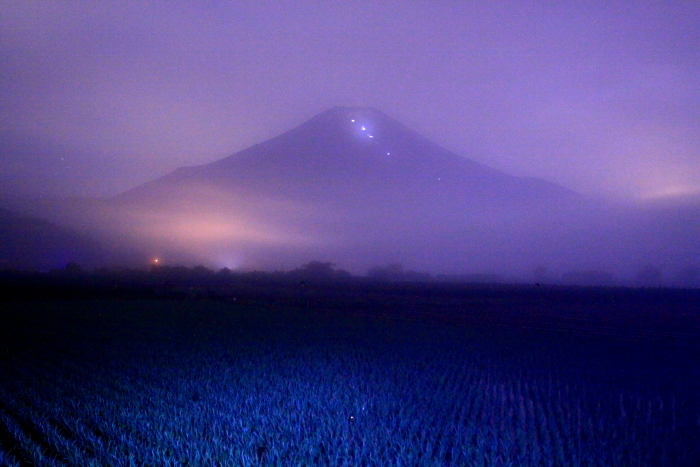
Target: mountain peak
{"x": 361, "y": 122}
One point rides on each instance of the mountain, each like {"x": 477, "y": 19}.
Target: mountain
{"x": 355, "y": 187}
{"x": 350, "y": 185}
{"x": 29, "y": 243}
{"x": 355, "y": 154}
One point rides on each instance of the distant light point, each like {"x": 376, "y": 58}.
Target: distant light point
{"x": 363, "y": 128}
{"x": 353, "y": 121}
{"x": 371, "y": 136}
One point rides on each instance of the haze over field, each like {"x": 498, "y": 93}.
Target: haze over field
{"x": 532, "y": 136}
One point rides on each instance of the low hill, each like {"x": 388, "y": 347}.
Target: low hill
{"x": 30, "y": 243}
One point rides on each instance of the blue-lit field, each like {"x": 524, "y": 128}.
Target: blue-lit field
{"x": 135, "y": 382}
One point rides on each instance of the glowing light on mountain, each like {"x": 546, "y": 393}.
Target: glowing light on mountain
{"x": 363, "y": 129}
{"x": 213, "y": 228}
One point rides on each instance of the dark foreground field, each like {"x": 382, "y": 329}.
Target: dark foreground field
{"x": 352, "y": 374}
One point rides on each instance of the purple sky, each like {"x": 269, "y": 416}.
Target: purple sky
{"x": 602, "y": 97}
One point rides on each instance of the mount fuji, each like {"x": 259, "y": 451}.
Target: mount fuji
{"x": 351, "y": 185}
{"x": 355, "y": 187}
{"x": 354, "y": 154}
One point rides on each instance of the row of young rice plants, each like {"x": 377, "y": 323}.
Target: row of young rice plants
{"x": 199, "y": 383}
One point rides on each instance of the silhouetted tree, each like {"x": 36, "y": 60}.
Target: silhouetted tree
{"x": 317, "y": 270}
{"x": 224, "y": 274}
{"x": 201, "y": 271}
